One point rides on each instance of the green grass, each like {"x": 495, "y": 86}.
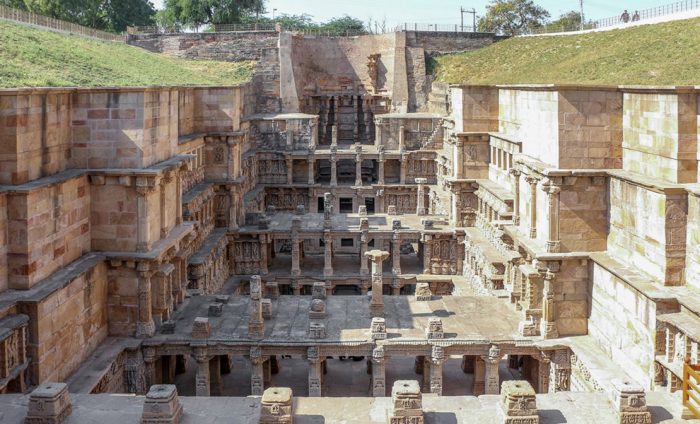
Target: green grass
{"x": 36, "y": 58}
{"x": 660, "y": 54}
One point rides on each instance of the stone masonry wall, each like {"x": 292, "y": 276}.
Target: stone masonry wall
{"x": 67, "y": 325}
{"x": 4, "y": 277}
{"x": 648, "y": 229}
{"x": 475, "y": 109}
{"x": 692, "y": 264}
{"x": 590, "y": 129}
{"x": 35, "y": 134}
{"x": 221, "y": 46}
{"x": 439, "y": 43}
{"x": 660, "y": 135}
{"x": 48, "y": 227}
{"x": 583, "y": 214}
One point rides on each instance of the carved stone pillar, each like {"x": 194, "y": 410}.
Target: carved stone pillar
{"x": 310, "y": 161}
{"x": 403, "y": 171}
{"x": 256, "y": 324}
{"x": 427, "y": 365}
{"x": 491, "y": 372}
{"x": 364, "y": 240}
{"x": 328, "y": 254}
{"x": 543, "y": 373}
{"x": 326, "y": 112}
{"x": 380, "y": 161}
{"x": 427, "y": 251}
{"x": 366, "y": 106}
{"x": 379, "y": 199}
{"x": 479, "y": 376}
{"x": 376, "y": 305}
{"x": 290, "y": 170}
{"x": 315, "y": 372}
{"x": 296, "y": 288}
{"x": 559, "y": 371}
{"x": 145, "y": 187}
{"x": 314, "y": 135}
{"x": 232, "y": 219}
{"x": 436, "y": 360}
{"x": 334, "y": 129}
{"x": 146, "y": 327}
{"x": 420, "y": 197}
{"x": 164, "y": 210}
{"x": 516, "y": 193}
{"x": 263, "y": 253}
{"x": 396, "y": 287}
{"x": 402, "y": 139}
{"x": 149, "y": 366}
{"x": 532, "y": 225}
{"x": 257, "y": 382}
{"x": 458, "y": 171}
{"x": 202, "y": 378}
{"x": 552, "y": 190}
{"x": 216, "y": 386}
{"x": 549, "y": 326}
{"x": 396, "y": 253}
{"x": 334, "y": 170}
{"x": 296, "y": 254}
{"x": 358, "y": 169}
{"x": 378, "y": 372}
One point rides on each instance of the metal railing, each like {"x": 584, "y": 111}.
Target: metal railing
{"x": 434, "y": 27}
{"x": 691, "y": 387}
{"x": 10, "y": 14}
{"x": 655, "y": 12}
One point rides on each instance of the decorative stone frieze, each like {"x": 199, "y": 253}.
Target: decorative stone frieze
{"x": 49, "y": 404}
{"x": 277, "y": 406}
{"x": 162, "y": 405}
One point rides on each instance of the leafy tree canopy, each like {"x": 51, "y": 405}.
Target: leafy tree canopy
{"x": 195, "y": 13}
{"x": 569, "y": 21}
{"x": 512, "y": 17}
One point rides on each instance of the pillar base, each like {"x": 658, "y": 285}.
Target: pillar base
{"x": 145, "y": 330}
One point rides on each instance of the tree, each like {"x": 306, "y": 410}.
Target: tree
{"x": 195, "y": 13}
{"x": 512, "y": 17}
{"x": 343, "y": 25}
{"x": 568, "y": 22}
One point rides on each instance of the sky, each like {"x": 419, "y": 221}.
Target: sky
{"x": 437, "y": 11}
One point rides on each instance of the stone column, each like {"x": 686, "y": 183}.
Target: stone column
{"x": 396, "y": 253}
{"x": 436, "y": 360}
{"x": 379, "y": 200}
{"x": 334, "y": 170}
{"x": 402, "y": 170}
{"x": 426, "y": 374}
{"x": 402, "y": 139}
{"x": 543, "y": 377}
{"x": 296, "y": 288}
{"x": 458, "y": 171}
{"x": 491, "y": 376}
{"x": 358, "y": 166}
{"x": 532, "y": 225}
{"x": 290, "y": 170}
{"x": 552, "y": 190}
{"x": 328, "y": 254}
{"x": 366, "y": 109}
{"x": 376, "y": 306}
{"x": 149, "y": 366}
{"x": 380, "y": 161}
{"x": 164, "y": 212}
{"x": 334, "y": 129}
{"x": 378, "y": 372}
{"x": 315, "y": 372}
{"x": 559, "y": 371}
{"x": 396, "y": 287}
{"x": 256, "y": 325}
{"x": 364, "y": 240}
{"x": 257, "y": 382}
{"x": 232, "y": 221}
{"x": 427, "y": 252}
{"x": 326, "y": 112}
{"x": 314, "y": 135}
{"x": 548, "y": 325}
{"x": 145, "y": 327}
{"x": 216, "y": 386}
{"x": 296, "y": 226}
{"x": 310, "y": 161}
{"x": 263, "y": 253}
{"x": 479, "y": 376}
{"x": 377, "y": 132}
{"x": 420, "y": 198}
{"x": 203, "y": 375}
{"x": 145, "y": 187}
{"x": 515, "y": 172}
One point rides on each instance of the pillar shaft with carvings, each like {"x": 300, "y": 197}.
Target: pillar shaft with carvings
{"x": 436, "y": 360}
{"x": 145, "y": 187}
{"x": 358, "y": 170}
{"x": 146, "y": 327}
{"x": 380, "y": 161}
{"x": 328, "y": 254}
{"x": 376, "y": 306}
{"x": 310, "y": 161}
{"x": 420, "y": 198}
{"x": 378, "y": 373}
{"x": 459, "y": 159}
{"x": 553, "y": 245}
{"x": 364, "y": 240}
{"x": 315, "y": 372}
{"x": 202, "y": 387}
{"x": 532, "y": 225}
{"x": 296, "y": 254}
{"x": 290, "y": 170}
{"x": 516, "y": 195}
{"x": 396, "y": 253}
{"x": 257, "y": 378}
{"x": 549, "y": 326}
{"x": 334, "y": 170}
{"x": 492, "y": 381}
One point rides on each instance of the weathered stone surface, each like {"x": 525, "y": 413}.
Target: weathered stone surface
{"x": 277, "y": 406}
{"x": 49, "y": 403}
{"x": 162, "y": 405}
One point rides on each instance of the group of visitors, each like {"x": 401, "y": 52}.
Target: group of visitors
{"x": 625, "y": 18}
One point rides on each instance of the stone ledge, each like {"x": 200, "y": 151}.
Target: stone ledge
{"x": 94, "y": 367}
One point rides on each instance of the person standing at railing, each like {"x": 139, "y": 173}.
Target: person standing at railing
{"x": 625, "y": 17}
{"x": 635, "y": 17}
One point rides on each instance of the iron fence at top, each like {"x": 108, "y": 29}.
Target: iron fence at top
{"x": 16, "y": 15}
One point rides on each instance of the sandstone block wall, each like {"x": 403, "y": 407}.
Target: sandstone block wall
{"x": 475, "y": 108}
{"x": 660, "y": 135}
{"x": 123, "y": 303}
{"x": 439, "y": 43}
{"x": 692, "y": 264}
{"x": 35, "y": 134}
{"x": 4, "y": 277}
{"x": 648, "y": 229}
{"x": 218, "y": 109}
{"x": 48, "y": 227}
{"x": 67, "y": 324}
{"x": 590, "y": 129}
{"x": 583, "y": 214}
{"x": 572, "y": 298}
{"x": 623, "y": 322}
{"x": 221, "y": 46}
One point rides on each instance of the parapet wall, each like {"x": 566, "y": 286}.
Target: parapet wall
{"x": 439, "y": 43}
{"x": 221, "y": 46}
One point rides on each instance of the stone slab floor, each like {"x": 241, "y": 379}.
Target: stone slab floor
{"x": 346, "y": 378}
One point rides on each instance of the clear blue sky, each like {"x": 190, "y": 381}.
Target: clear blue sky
{"x": 438, "y": 11}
